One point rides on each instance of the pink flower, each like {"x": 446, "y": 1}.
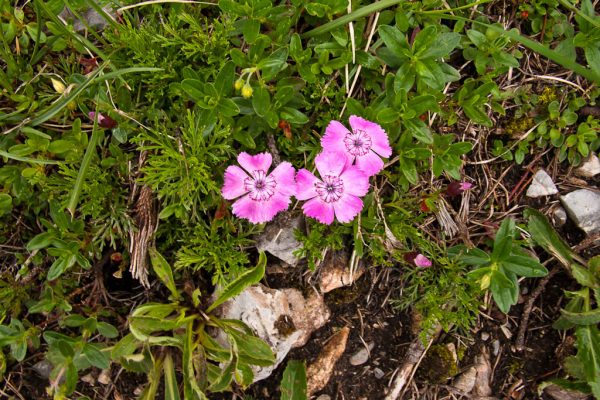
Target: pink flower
{"x": 366, "y": 144}
{"x": 455, "y": 188}
{"x": 422, "y": 261}
{"x": 417, "y": 259}
{"x": 263, "y": 196}
{"x": 336, "y": 193}
{"x": 103, "y": 120}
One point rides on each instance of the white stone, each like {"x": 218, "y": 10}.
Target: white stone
{"x": 361, "y": 356}
{"x": 590, "y": 167}
{"x": 264, "y": 310}
{"x": 541, "y": 185}
{"x": 378, "y": 373}
{"x": 583, "y": 207}
{"x": 279, "y": 239}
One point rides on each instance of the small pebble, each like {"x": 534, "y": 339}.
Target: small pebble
{"x": 104, "y": 377}
{"x": 559, "y": 216}
{"x": 485, "y": 336}
{"x": 43, "y": 368}
{"x": 361, "y": 356}
{"x": 324, "y": 397}
{"x": 378, "y": 373}
{"x": 496, "y": 347}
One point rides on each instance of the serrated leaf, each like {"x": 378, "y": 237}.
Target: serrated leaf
{"x": 236, "y": 287}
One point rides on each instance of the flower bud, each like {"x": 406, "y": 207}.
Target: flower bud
{"x": 247, "y": 91}
{"x": 58, "y": 86}
{"x": 238, "y": 84}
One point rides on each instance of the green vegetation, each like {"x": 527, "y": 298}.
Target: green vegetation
{"x": 162, "y": 97}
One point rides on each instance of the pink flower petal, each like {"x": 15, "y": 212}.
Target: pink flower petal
{"x": 284, "y": 175}
{"x": 370, "y": 163}
{"x": 251, "y": 163}
{"x": 258, "y": 212}
{"x": 380, "y": 142}
{"x": 333, "y": 140}
{"x": 234, "y": 182}
{"x": 465, "y": 186}
{"x": 355, "y": 181}
{"x": 422, "y": 261}
{"x": 319, "y": 210}
{"x": 331, "y": 163}
{"x": 347, "y": 207}
{"x": 305, "y": 185}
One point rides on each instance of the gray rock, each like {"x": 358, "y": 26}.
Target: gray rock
{"x": 335, "y": 272}
{"x": 361, "y": 356}
{"x": 590, "y": 167}
{"x": 541, "y": 185}
{"x": 43, "y": 368}
{"x": 284, "y": 319}
{"x": 278, "y": 238}
{"x": 495, "y": 347}
{"x": 378, "y": 373}
{"x": 583, "y": 207}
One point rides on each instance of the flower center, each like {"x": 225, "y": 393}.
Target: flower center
{"x": 358, "y": 143}
{"x": 260, "y": 187}
{"x": 330, "y": 189}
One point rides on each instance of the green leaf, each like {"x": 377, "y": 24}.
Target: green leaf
{"x": 257, "y": 352}
{"x": 163, "y": 271}
{"x": 419, "y": 130}
{"x": 591, "y": 317}
{"x": 588, "y": 351}
{"x": 107, "y": 330}
{"x": 524, "y": 266}
{"x": 171, "y": 388}
{"x": 502, "y": 291}
{"x": 475, "y": 256}
{"x": 59, "y": 266}
{"x": 261, "y": 101}
{"x": 41, "y": 241}
{"x": 124, "y": 347}
{"x": 5, "y": 203}
{"x": 544, "y": 234}
{"x": 387, "y": 115}
{"x": 228, "y": 108}
{"x": 224, "y": 80}
{"x": 246, "y": 279}
{"x": 394, "y": 39}
{"x": 504, "y": 239}
{"x": 96, "y": 357}
{"x": 250, "y": 30}
{"x": 194, "y": 88}
{"x": 293, "y": 384}
{"x": 444, "y": 44}
{"x": 583, "y": 276}
{"x": 293, "y": 116}
{"x": 273, "y": 64}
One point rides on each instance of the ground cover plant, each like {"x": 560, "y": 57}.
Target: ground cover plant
{"x": 147, "y": 149}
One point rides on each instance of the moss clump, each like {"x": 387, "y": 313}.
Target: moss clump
{"x": 548, "y": 95}
{"x": 519, "y": 125}
{"x": 439, "y": 365}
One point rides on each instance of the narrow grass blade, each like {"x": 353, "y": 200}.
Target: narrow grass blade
{"x": 27, "y": 159}
{"x": 58, "y": 105}
{"x": 85, "y": 164}
{"x": 171, "y": 389}
{"x": 353, "y": 16}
